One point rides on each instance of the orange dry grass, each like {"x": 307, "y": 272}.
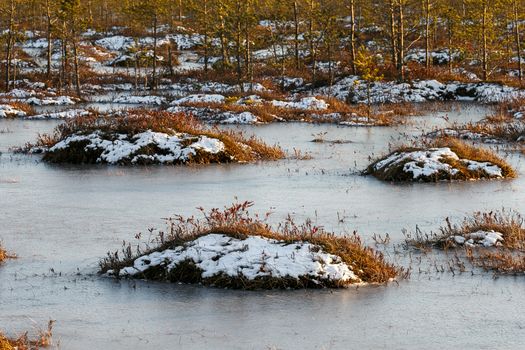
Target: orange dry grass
{"x": 467, "y": 151}
{"x": 500, "y": 262}
{"x": 23, "y": 107}
{"x": 23, "y": 342}
{"x": 4, "y": 255}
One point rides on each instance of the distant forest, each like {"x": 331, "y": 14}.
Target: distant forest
{"x": 318, "y": 40}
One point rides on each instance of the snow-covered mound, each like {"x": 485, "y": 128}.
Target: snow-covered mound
{"x": 354, "y": 90}
{"x": 219, "y": 256}
{"x": 238, "y": 118}
{"x": 479, "y": 238}
{"x": 199, "y": 98}
{"x": 438, "y": 57}
{"x": 143, "y": 148}
{"x": 50, "y": 101}
{"x": 213, "y": 115}
{"x": 143, "y": 100}
{"x": 465, "y": 134}
{"x": 70, "y": 113}
{"x": 116, "y": 43}
{"x": 306, "y": 103}
{"x": 8, "y": 111}
{"x": 433, "y": 164}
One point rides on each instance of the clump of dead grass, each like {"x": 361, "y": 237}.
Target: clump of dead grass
{"x": 509, "y": 223}
{"x": 501, "y": 262}
{"x": 23, "y": 342}
{"x": 24, "y": 107}
{"x": 4, "y": 255}
{"x": 236, "y": 221}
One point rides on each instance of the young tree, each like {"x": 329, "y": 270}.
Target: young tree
{"x": 367, "y": 66}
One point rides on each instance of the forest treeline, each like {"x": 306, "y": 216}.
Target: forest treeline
{"x": 318, "y": 39}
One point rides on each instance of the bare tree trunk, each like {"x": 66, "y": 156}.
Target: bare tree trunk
{"x": 393, "y": 33}
{"x": 296, "y": 34}
{"x": 75, "y": 62}
{"x": 517, "y": 38}
{"x": 449, "y": 38}
{"x": 136, "y": 71}
{"x": 48, "y": 37}
{"x": 484, "y": 39}
{"x": 238, "y": 44}
{"x": 10, "y": 44}
{"x": 401, "y": 41}
{"x": 352, "y": 37}
{"x": 427, "y": 34}
{"x": 312, "y": 45}
{"x": 206, "y": 37}
{"x": 154, "y": 76}
{"x": 170, "y": 59}
{"x": 224, "y": 43}
{"x": 248, "y": 54}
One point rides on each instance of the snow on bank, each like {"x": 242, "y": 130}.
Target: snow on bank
{"x": 213, "y": 115}
{"x": 479, "y": 238}
{"x": 116, "y": 43}
{"x": 124, "y": 149}
{"x": 306, "y": 103}
{"x": 50, "y": 101}
{"x": 465, "y": 134}
{"x": 8, "y": 111}
{"x": 200, "y": 98}
{"x": 140, "y": 100}
{"x": 432, "y": 164}
{"x": 70, "y": 113}
{"x": 438, "y": 57}
{"x": 254, "y": 257}
{"x": 354, "y": 90}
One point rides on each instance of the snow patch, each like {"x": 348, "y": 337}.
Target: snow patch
{"x": 253, "y": 257}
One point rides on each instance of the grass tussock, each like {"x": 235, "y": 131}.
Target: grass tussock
{"x": 509, "y": 223}
{"x": 500, "y": 262}
{"x": 396, "y": 172}
{"x": 24, "y": 107}
{"x": 23, "y": 342}
{"x": 504, "y": 131}
{"x": 236, "y": 221}
{"x": 238, "y": 146}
